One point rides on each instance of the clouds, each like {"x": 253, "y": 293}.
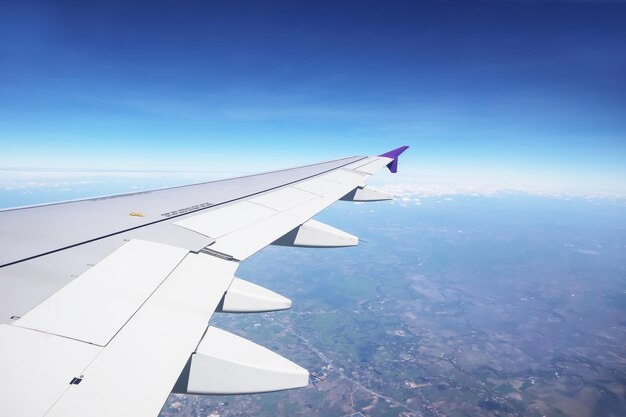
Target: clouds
{"x": 413, "y": 192}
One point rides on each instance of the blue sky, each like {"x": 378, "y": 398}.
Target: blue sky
{"x": 520, "y": 93}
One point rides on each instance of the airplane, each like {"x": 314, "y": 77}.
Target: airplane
{"x": 88, "y": 289}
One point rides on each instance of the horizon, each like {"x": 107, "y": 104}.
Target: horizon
{"x": 21, "y": 188}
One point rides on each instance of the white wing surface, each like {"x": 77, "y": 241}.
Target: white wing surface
{"x": 88, "y": 289}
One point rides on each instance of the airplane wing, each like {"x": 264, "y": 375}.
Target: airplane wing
{"x": 105, "y": 303}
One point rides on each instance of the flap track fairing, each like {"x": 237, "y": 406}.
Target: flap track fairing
{"x": 314, "y": 234}
{"x": 245, "y": 297}
{"x": 225, "y": 363}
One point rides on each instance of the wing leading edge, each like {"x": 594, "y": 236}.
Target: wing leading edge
{"x": 132, "y": 326}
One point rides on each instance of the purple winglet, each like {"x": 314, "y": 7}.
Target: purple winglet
{"x": 393, "y": 165}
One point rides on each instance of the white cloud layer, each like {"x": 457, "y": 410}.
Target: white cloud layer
{"x": 415, "y": 190}
{"x": 407, "y": 188}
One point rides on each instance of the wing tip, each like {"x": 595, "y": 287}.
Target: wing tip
{"x": 394, "y": 155}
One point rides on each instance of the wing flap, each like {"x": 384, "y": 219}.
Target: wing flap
{"x": 25, "y": 285}
{"x": 95, "y": 306}
{"x": 140, "y": 365}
